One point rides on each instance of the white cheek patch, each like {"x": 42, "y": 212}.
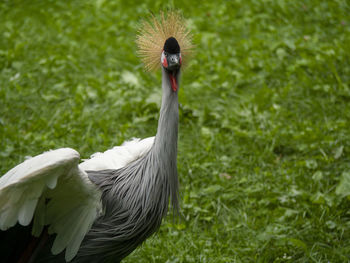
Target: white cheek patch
{"x": 163, "y": 60}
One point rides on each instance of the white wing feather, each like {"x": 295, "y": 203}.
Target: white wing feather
{"x": 118, "y": 156}
{"x": 74, "y": 201}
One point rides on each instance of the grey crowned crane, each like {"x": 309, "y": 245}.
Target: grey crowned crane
{"x": 100, "y": 210}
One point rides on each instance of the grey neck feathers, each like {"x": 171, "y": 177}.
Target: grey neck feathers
{"x": 165, "y": 145}
{"x": 166, "y": 138}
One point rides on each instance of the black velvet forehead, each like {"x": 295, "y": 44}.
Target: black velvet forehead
{"x": 171, "y": 46}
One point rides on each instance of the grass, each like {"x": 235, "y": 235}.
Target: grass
{"x": 264, "y": 149}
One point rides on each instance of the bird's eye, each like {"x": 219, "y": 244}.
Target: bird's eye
{"x": 166, "y": 54}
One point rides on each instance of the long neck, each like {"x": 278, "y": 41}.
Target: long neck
{"x": 166, "y": 138}
{"x": 165, "y": 144}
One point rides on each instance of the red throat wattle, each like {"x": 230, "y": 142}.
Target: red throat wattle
{"x": 173, "y": 82}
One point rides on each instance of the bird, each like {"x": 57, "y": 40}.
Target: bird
{"x": 101, "y": 209}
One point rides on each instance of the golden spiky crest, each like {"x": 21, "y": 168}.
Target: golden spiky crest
{"x": 153, "y": 33}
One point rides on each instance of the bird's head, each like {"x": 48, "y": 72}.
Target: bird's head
{"x": 171, "y": 60}
{"x": 165, "y": 40}
{"x": 171, "y": 56}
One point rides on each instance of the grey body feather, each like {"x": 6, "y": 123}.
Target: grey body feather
{"x": 136, "y": 197}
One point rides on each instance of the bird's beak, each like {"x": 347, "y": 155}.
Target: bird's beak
{"x": 174, "y": 62}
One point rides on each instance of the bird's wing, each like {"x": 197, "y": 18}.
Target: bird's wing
{"x": 118, "y": 156}
{"x": 51, "y": 188}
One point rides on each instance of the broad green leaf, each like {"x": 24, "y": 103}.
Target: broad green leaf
{"x": 343, "y": 187}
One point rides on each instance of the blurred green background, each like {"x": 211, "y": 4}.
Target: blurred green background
{"x": 264, "y": 118}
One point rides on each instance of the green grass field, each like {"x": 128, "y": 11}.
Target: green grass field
{"x": 264, "y": 149}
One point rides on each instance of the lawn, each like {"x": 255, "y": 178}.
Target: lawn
{"x": 264, "y": 139}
